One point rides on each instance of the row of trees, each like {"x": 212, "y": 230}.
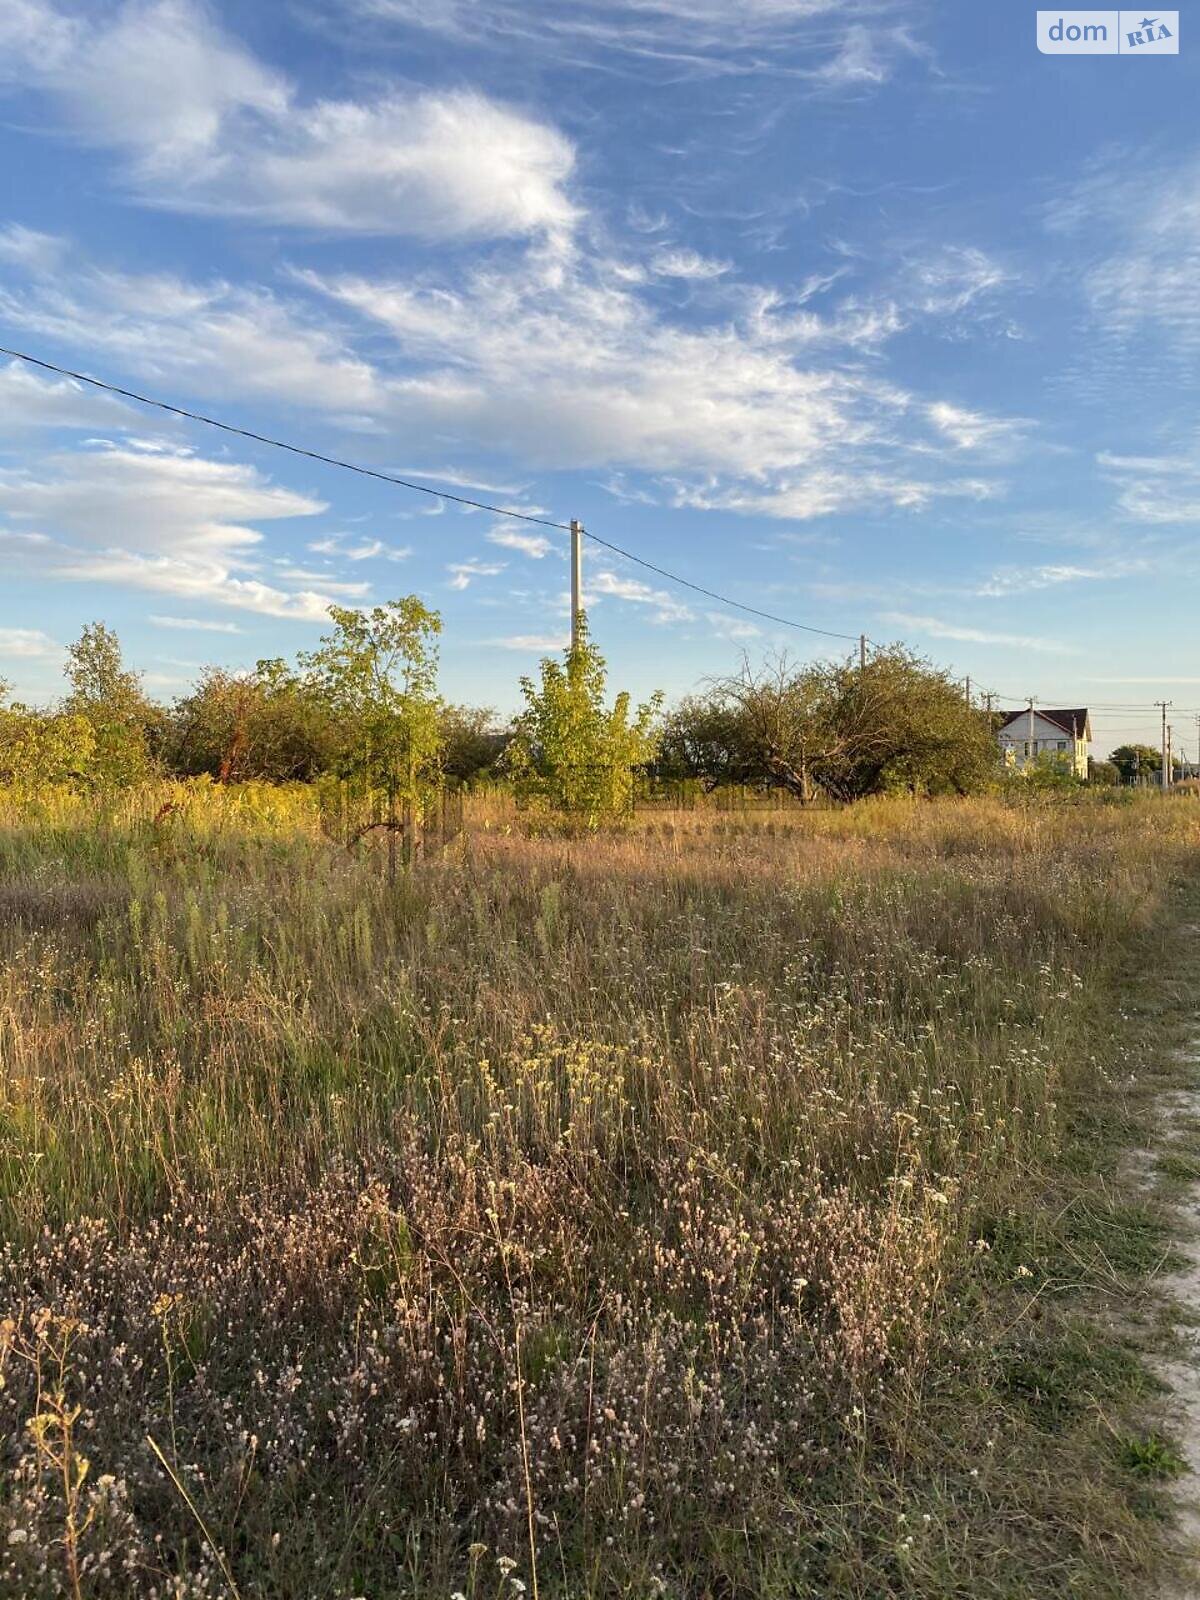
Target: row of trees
{"x": 363, "y": 710}
{"x": 1141, "y": 763}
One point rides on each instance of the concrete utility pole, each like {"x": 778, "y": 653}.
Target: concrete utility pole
{"x": 1165, "y": 775}
{"x": 576, "y": 580}
{"x": 968, "y": 689}
{"x": 1031, "y": 741}
{"x": 862, "y": 652}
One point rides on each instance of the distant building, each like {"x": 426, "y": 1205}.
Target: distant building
{"x": 1062, "y": 737}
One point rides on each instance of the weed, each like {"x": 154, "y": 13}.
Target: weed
{"x": 1151, "y": 1456}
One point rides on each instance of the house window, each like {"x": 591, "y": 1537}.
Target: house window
{"x": 1062, "y": 744}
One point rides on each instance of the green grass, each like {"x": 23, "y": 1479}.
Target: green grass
{"x": 1058, "y": 1373}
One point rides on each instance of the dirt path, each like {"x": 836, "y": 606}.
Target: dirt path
{"x": 1180, "y": 1119}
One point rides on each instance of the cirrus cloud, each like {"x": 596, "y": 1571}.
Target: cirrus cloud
{"x": 936, "y": 628}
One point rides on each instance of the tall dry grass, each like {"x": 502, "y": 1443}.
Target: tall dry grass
{"x": 606, "y": 1217}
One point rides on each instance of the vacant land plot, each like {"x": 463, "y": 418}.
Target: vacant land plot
{"x": 720, "y": 1208}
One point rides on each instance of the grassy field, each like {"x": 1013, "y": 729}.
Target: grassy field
{"x": 723, "y": 1208}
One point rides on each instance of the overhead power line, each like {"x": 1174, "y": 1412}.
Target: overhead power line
{"x": 419, "y": 488}
{"x": 713, "y": 595}
{"x": 276, "y": 444}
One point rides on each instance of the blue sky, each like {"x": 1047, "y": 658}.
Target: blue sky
{"x": 865, "y": 314}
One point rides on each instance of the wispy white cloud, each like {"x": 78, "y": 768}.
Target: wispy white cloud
{"x": 193, "y": 624}
{"x": 1155, "y": 490}
{"x": 972, "y": 430}
{"x": 294, "y": 576}
{"x": 681, "y": 263}
{"x": 866, "y": 57}
{"x": 952, "y": 279}
{"x": 29, "y": 400}
{"x": 462, "y": 573}
{"x": 1051, "y": 575}
{"x": 532, "y": 643}
{"x": 555, "y": 358}
{"x": 817, "y": 47}
{"x": 154, "y": 517}
{"x": 547, "y": 360}
{"x": 723, "y": 625}
{"x": 364, "y": 550}
{"x": 535, "y": 545}
{"x": 557, "y": 362}
{"x": 213, "y": 338}
{"x": 201, "y": 124}
{"x": 39, "y": 252}
{"x": 664, "y": 606}
{"x": 28, "y": 644}
{"x": 159, "y": 497}
{"x": 936, "y": 628}
{"x": 191, "y": 578}
{"x": 708, "y": 38}
{"x": 1141, "y": 243}
{"x": 822, "y": 492}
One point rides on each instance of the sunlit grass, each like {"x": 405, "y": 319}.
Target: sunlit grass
{"x": 627, "y": 1206}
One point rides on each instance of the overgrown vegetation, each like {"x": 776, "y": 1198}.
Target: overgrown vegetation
{"x": 716, "y": 1208}
{"x": 844, "y": 729}
{"x": 570, "y": 751}
{"x": 362, "y": 716}
{"x": 363, "y": 712}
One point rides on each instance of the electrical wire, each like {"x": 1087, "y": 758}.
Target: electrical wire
{"x": 483, "y": 505}
{"x": 419, "y": 488}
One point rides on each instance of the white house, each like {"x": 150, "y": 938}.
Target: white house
{"x": 1061, "y": 736}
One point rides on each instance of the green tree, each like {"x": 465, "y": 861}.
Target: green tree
{"x": 471, "y": 742}
{"x": 708, "y": 738}
{"x": 39, "y": 748}
{"x": 1137, "y": 761}
{"x": 897, "y": 723}
{"x": 377, "y": 672}
{"x": 761, "y": 726}
{"x": 571, "y": 752}
{"x": 111, "y": 700}
{"x": 271, "y": 724}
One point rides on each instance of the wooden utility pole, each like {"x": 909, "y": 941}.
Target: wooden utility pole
{"x": 1030, "y": 741}
{"x": 862, "y": 652}
{"x": 1165, "y": 774}
{"x": 968, "y": 689}
{"x": 576, "y": 580}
